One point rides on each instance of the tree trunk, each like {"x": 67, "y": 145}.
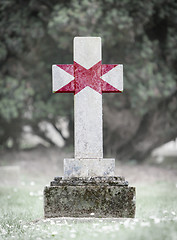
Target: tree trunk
{"x": 156, "y": 127}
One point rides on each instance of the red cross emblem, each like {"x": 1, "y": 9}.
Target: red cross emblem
{"x": 74, "y": 78}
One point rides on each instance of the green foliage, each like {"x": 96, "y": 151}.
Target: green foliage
{"x": 35, "y": 34}
{"x": 15, "y": 96}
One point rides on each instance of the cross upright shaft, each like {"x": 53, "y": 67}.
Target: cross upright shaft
{"x": 88, "y": 102}
{"x": 87, "y": 78}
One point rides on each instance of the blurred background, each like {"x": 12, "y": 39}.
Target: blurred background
{"x": 140, "y": 124}
{"x": 139, "y": 34}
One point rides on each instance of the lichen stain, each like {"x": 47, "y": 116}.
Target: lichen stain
{"x": 80, "y": 201}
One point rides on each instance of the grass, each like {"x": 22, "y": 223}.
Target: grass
{"x": 21, "y": 216}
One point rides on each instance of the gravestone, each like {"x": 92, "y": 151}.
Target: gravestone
{"x": 89, "y": 186}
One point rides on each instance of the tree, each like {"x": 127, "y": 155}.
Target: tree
{"x": 141, "y": 35}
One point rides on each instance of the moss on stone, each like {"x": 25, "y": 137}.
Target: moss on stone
{"x": 81, "y": 201}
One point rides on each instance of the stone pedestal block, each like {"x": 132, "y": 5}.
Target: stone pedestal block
{"x": 88, "y": 167}
{"x": 89, "y": 197}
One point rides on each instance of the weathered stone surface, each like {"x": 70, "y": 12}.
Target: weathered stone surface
{"x": 82, "y": 192}
{"x": 88, "y": 167}
{"x": 88, "y": 78}
{"x": 67, "y": 200}
{"x": 98, "y": 181}
{"x": 87, "y": 51}
{"x": 59, "y": 73}
{"x": 115, "y": 77}
{"x": 88, "y": 102}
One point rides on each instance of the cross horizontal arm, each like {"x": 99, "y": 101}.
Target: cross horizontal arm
{"x": 112, "y": 76}
{"x": 74, "y": 78}
{"x": 63, "y": 78}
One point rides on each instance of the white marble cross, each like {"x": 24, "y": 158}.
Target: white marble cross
{"x": 87, "y": 78}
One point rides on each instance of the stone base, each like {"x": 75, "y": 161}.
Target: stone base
{"x": 106, "y": 197}
{"x": 88, "y": 167}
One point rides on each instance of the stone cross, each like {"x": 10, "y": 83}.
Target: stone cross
{"x": 88, "y": 78}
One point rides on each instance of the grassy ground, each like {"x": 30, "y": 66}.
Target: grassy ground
{"x": 21, "y": 210}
